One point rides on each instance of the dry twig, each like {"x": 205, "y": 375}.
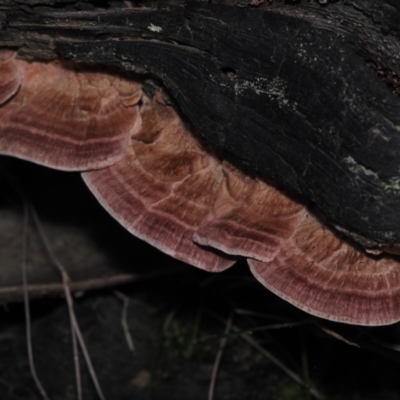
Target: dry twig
{"x": 12, "y": 293}
{"x": 337, "y": 336}
{"x": 222, "y": 345}
{"x": 124, "y": 321}
{"x": 74, "y": 323}
{"x": 26, "y": 304}
{"x": 252, "y": 342}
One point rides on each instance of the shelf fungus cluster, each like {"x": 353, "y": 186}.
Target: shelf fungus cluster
{"x": 149, "y": 171}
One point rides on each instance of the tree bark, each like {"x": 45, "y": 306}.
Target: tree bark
{"x": 303, "y": 93}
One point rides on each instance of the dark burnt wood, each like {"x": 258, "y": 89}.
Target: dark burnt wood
{"x": 301, "y": 92}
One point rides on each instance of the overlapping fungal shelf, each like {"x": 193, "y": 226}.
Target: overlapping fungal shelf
{"x": 66, "y": 117}
{"x": 164, "y": 188}
{"x": 148, "y": 170}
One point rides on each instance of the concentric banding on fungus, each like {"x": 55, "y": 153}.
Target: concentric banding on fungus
{"x": 68, "y": 117}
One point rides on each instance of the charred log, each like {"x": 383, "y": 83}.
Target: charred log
{"x": 304, "y": 94}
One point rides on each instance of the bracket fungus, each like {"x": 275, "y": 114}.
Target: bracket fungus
{"x": 64, "y": 116}
{"x": 151, "y": 173}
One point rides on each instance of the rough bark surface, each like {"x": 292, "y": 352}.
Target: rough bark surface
{"x": 285, "y": 88}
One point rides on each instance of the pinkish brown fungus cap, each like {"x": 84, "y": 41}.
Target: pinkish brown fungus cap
{"x": 326, "y": 276}
{"x": 164, "y": 187}
{"x": 66, "y": 117}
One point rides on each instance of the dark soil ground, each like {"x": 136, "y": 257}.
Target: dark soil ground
{"x": 176, "y": 316}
